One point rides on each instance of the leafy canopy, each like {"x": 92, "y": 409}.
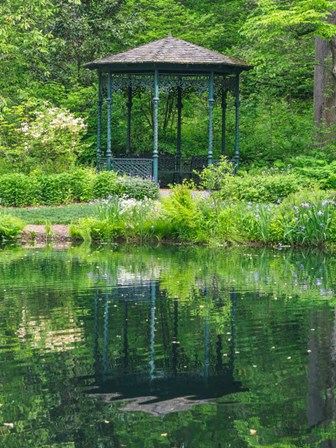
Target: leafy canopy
{"x": 303, "y": 17}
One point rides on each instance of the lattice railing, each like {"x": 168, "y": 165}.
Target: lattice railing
{"x": 130, "y": 166}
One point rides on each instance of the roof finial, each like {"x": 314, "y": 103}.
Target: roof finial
{"x": 170, "y": 34}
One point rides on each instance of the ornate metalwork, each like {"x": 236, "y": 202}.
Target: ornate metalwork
{"x": 217, "y": 86}
{"x": 187, "y": 83}
{"x": 135, "y": 167}
{"x": 122, "y": 83}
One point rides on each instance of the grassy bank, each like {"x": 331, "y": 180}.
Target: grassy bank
{"x": 306, "y": 218}
{"x": 66, "y": 214}
{"x": 270, "y": 209}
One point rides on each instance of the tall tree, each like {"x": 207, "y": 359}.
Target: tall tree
{"x": 303, "y": 20}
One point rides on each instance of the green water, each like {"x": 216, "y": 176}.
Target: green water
{"x": 167, "y": 347}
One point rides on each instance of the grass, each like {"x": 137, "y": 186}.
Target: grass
{"x": 66, "y": 214}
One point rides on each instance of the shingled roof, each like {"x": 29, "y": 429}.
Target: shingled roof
{"x": 170, "y": 51}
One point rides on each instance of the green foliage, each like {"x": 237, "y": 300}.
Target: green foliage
{"x": 55, "y": 215}
{"x": 105, "y": 184}
{"x": 98, "y": 230}
{"x": 181, "y": 210}
{"x": 318, "y": 170}
{"x": 75, "y": 186}
{"x": 10, "y": 227}
{"x": 38, "y": 136}
{"x": 213, "y": 221}
{"x": 198, "y": 291}
{"x": 270, "y": 187}
{"x": 137, "y": 188}
{"x": 275, "y": 17}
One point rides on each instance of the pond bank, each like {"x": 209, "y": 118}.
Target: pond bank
{"x": 38, "y": 233}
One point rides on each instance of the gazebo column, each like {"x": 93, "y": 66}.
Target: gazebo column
{"x": 156, "y": 101}
{"x": 109, "y": 120}
{"x": 211, "y": 109}
{"x": 224, "y": 107}
{"x": 99, "y": 117}
{"x": 179, "y": 126}
{"x": 129, "y": 120}
{"x": 237, "y": 105}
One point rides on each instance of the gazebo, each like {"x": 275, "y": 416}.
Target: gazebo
{"x": 160, "y": 66}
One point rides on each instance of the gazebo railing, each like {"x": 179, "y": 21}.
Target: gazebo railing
{"x": 171, "y": 168}
{"x": 135, "y": 167}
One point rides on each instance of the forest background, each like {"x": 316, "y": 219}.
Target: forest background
{"x": 48, "y": 100}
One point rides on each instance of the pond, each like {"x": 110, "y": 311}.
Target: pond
{"x": 168, "y": 346}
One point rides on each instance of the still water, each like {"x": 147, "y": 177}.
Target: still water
{"x": 167, "y": 347}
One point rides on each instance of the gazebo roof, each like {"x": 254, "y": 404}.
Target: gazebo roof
{"x": 169, "y": 53}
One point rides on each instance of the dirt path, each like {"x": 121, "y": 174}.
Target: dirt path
{"x": 38, "y": 233}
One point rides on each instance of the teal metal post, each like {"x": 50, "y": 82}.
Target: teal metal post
{"x": 224, "y": 107}
{"x": 179, "y": 127}
{"x": 109, "y": 119}
{"x": 156, "y": 101}
{"x": 99, "y": 124}
{"x": 129, "y": 120}
{"x": 211, "y": 109}
{"x": 237, "y": 105}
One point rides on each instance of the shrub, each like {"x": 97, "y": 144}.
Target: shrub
{"x": 39, "y": 136}
{"x": 181, "y": 209}
{"x": 10, "y": 227}
{"x": 269, "y": 186}
{"x": 75, "y": 186}
{"x": 109, "y": 183}
{"x": 98, "y": 230}
{"x": 321, "y": 173}
{"x": 137, "y": 188}
{"x": 105, "y": 184}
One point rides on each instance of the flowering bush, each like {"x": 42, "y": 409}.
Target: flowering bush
{"x": 39, "y": 136}
{"x": 52, "y": 139}
{"x": 310, "y": 223}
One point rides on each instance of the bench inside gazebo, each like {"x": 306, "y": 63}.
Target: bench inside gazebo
{"x": 158, "y": 67}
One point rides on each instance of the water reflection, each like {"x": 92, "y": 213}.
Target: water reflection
{"x": 205, "y": 345}
{"x": 185, "y": 377}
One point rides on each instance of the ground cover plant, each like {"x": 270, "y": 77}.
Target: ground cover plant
{"x": 305, "y": 218}
{"x": 65, "y": 214}
{"x": 279, "y": 206}
{"x": 10, "y": 228}
{"x": 79, "y": 185}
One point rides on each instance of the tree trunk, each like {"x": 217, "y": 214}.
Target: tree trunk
{"x": 325, "y": 80}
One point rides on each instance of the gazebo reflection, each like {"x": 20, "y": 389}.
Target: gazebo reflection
{"x": 167, "y": 377}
